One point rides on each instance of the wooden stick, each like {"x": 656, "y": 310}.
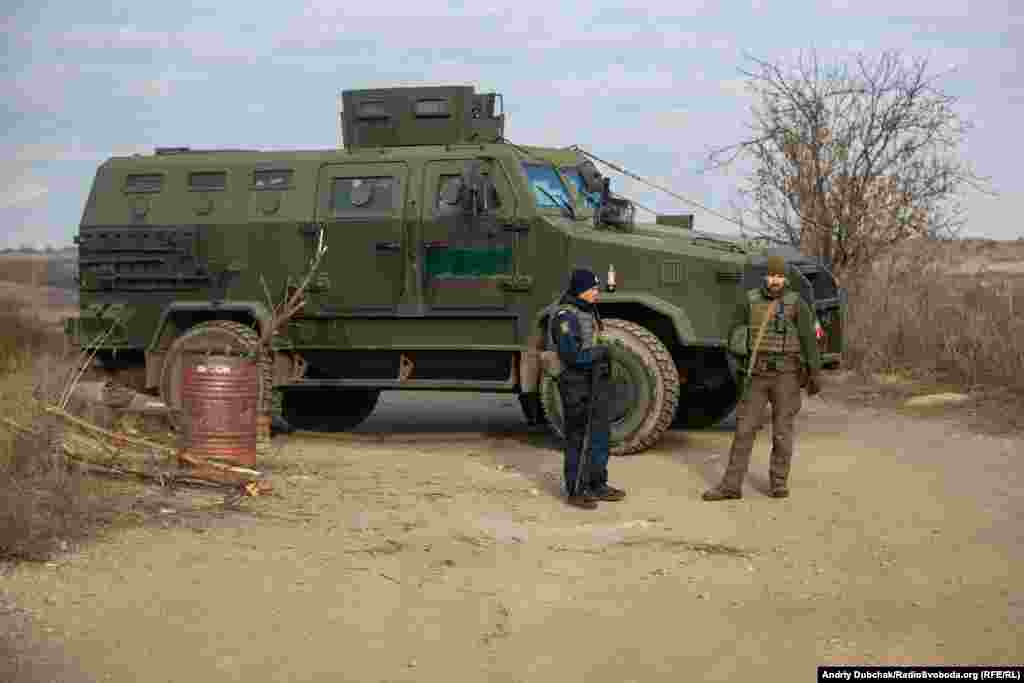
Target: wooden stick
{"x": 66, "y": 394}
{"x": 199, "y": 462}
{"x": 64, "y": 415}
{"x": 20, "y": 428}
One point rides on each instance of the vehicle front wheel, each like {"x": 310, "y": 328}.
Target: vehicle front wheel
{"x": 644, "y": 389}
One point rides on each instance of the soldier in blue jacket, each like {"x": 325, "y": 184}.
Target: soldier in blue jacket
{"x": 572, "y": 330}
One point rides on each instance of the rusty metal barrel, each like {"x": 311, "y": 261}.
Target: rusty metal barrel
{"x": 220, "y": 407}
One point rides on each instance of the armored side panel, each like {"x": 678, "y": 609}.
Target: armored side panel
{"x": 394, "y": 117}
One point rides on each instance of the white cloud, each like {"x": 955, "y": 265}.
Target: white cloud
{"x": 162, "y": 86}
{"x": 734, "y": 87}
{"x": 107, "y": 37}
{"x": 70, "y": 150}
{"x": 670, "y": 121}
{"x": 994, "y": 217}
{"x": 67, "y": 150}
{"x": 23, "y": 194}
{"x": 617, "y": 79}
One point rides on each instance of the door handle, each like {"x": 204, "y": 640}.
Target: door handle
{"x": 389, "y": 246}
{"x": 435, "y": 245}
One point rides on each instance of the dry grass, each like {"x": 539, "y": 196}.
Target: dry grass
{"x": 942, "y": 311}
{"x": 46, "y": 505}
{"x": 24, "y": 335}
{"x": 39, "y": 270}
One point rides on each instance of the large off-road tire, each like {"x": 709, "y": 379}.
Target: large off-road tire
{"x": 707, "y": 399}
{"x": 327, "y": 409}
{"x": 644, "y": 389}
{"x": 216, "y": 336}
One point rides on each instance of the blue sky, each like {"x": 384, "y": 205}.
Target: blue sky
{"x": 651, "y": 87}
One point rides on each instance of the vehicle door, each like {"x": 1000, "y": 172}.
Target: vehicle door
{"x": 464, "y": 250}
{"x": 360, "y": 207}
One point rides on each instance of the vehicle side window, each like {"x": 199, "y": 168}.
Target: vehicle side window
{"x": 823, "y": 284}
{"x": 362, "y": 195}
{"x": 207, "y": 180}
{"x": 272, "y": 179}
{"x": 144, "y": 182}
{"x": 450, "y": 182}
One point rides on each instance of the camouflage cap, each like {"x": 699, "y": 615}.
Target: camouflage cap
{"x": 776, "y": 265}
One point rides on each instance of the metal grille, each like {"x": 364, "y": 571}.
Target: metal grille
{"x": 671, "y": 272}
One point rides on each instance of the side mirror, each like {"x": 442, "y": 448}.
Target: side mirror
{"x": 592, "y": 179}
{"x": 619, "y": 213}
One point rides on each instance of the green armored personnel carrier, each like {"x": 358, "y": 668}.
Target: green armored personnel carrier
{"x": 446, "y": 245}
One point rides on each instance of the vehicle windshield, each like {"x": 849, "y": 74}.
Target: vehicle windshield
{"x": 544, "y": 181}
{"x": 592, "y": 199}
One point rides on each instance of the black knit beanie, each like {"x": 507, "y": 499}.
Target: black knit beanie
{"x": 581, "y": 280}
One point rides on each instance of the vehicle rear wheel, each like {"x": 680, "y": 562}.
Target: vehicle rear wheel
{"x": 644, "y": 389}
{"x": 327, "y": 409}
{"x": 708, "y": 400}
{"x": 214, "y": 336}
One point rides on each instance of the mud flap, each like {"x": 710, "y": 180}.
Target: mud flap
{"x": 530, "y": 402}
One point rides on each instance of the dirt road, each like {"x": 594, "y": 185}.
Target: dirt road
{"x": 431, "y": 545}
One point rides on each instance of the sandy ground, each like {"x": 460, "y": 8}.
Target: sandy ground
{"x": 431, "y": 545}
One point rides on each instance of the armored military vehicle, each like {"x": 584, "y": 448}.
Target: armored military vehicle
{"x": 446, "y": 245}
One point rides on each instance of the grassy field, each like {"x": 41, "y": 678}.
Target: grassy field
{"x": 40, "y": 270}
{"x": 948, "y": 311}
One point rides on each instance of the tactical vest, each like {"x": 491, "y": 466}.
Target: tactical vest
{"x": 589, "y": 325}
{"x": 587, "y": 321}
{"x": 781, "y": 335}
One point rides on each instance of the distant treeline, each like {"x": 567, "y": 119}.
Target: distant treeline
{"x": 45, "y": 250}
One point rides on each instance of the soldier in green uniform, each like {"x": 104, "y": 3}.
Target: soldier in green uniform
{"x": 774, "y": 336}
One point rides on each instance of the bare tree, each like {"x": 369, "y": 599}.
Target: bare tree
{"x": 850, "y": 159}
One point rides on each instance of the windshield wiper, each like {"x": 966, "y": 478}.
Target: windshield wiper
{"x": 559, "y": 202}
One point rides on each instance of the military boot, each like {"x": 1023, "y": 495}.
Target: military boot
{"x": 719, "y": 493}
{"x": 606, "y": 492}
{"x": 778, "y": 489}
{"x": 584, "y": 500}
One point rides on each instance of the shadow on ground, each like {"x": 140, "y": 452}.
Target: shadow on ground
{"x": 509, "y": 442}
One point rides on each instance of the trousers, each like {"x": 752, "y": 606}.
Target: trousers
{"x": 782, "y": 390}
{"x": 574, "y": 387}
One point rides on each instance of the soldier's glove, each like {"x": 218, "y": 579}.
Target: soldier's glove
{"x": 813, "y": 385}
